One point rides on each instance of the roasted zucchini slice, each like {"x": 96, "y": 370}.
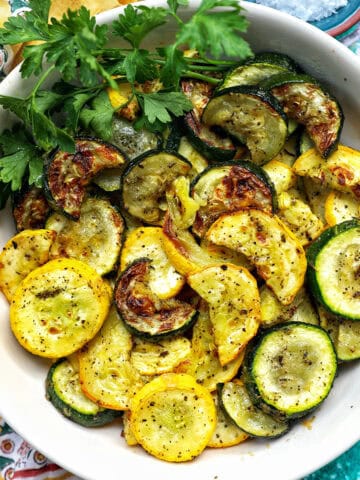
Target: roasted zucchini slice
{"x": 95, "y": 238}
{"x": 59, "y": 307}
{"x": 22, "y": 254}
{"x": 226, "y": 188}
{"x": 234, "y": 302}
{"x": 333, "y": 269}
{"x": 226, "y": 433}
{"x": 164, "y": 280}
{"x": 281, "y": 175}
{"x": 63, "y": 390}
{"x": 251, "y": 115}
{"x": 144, "y": 313}
{"x": 306, "y": 101}
{"x": 173, "y": 417}
{"x": 68, "y": 174}
{"x": 145, "y": 181}
{"x": 275, "y": 252}
{"x": 209, "y": 143}
{"x": 236, "y": 402}
{"x": 290, "y": 369}
{"x": 30, "y": 208}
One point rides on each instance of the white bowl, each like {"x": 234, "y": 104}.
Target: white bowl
{"x": 102, "y": 453}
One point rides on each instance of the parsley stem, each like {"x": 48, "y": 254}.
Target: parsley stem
{"x": 200, "y": 76}
{"x": 41, "y": 80}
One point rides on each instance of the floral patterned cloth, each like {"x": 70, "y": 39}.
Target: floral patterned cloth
{"x": 18, "y": 459}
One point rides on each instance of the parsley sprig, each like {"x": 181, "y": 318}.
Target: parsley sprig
{"x": 76, "y": 49}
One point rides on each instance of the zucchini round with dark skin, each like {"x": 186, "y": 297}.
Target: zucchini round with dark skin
{"x": 30, "y": 208}
{"x": 252, "y": 116}
{"x": 289, "y": 370}
{"x": 261, "y": 66}
{"x": 209, "y": 143}
{"x": 63, "y": 390}
{"x": 235, "y": 400}
{"x": 145, "y": 181}
{"x": 143, "y": 312}
{"x": 95, "y": 238}
{"x": 225, "y": 188}
{"x": 67, "y": 175}
{"x": 333, "y": 269}
{"x": 306, "y": 101}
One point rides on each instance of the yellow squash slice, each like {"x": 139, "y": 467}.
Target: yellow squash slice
{"x": 59, "y": 307}
{"x": 298, "y": 217}
{"x": 276, "y": 253}
{"x": 203, "y": 362}
{"x": 151, "y": 358}
{"x": 173, "y": 417}
{"x": 340, "y": 171}
{"x": 127, "y": 432}
{"x": 341, "y": 206}
{"x": 147, "y": 242}
{"x": 234, "y": 302}
{"x": 23, "y": 253}
{"x": 106, "y": 374}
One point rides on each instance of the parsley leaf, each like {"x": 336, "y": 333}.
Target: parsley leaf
{"x": 135, "y": 23}
{"x": 159, "y": 106}
{"x": 139, "y": 67}
{"x": 20, "y": 156}
{"x": 99, "y": 117}
{"x": 174, "y": 66}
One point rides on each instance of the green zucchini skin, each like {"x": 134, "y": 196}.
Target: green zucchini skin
{"x": 312, "y": 275}
{"x": 237, "y": 405}
{"x": 143, "y": 313}
{"x": 68, "y": 175}
{"x": 214, "y": 146}
{"x": 275, "y": 58}
{"x": 270, "y": 402}
{"x": 261, "y": 125}
{"x": 307, "y": 101}
{"x": 30, "y": 208}
{"x": 245, "y": 182}
{"x": 143, "y": 187}
{"x": 71, "y": 411}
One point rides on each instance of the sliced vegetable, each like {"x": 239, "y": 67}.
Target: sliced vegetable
{"x": 341, "y": 171}
{"x": 147, "y": 242}
{"x": 234, "y": 303}
{"x": 127, "y": 432}
{"x": 252, "y": 116}
{"x": 306, "y": 101}
{"x": 68, "y": 174}
{"x": 281, "y": 175}
{"x": 64, "y": 392}
{"x": 298, "y": 217}
{"x": 95, "y": 238}
{"x": 290, "y": 369}
{"x": 226, "y": 433}
{"x": 203, "y": 362}
{"x": 173, "y": 417}
{"x": 301, "y": 309}
{"x": 106, "y": 374}
{"x": 144, "y": 314}
{"x": 23, "y": 253}
{"x": 333, "y": 269}
{"x": 198, "y": 161}
{"x": 341, "y": 206}
{"x": 182, "y": 207}
{"x": 162, "y": 357}
{"x": 224, "y": 188}
{"x": 30, "y": 208}
{"x": 145, "y": 182}
{"x": 316, "y": 195}
{"x": 276, "y": 253}
{"x": 236, "y": 402}
{"x": 75, "y": 292}
{"x": 208, "y": 142}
